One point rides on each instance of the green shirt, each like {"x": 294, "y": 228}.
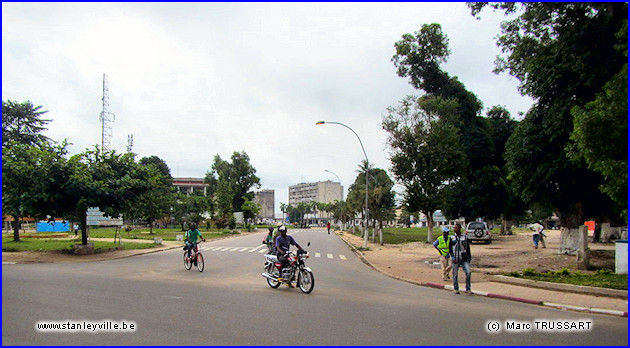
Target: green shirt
{"x": 191, "y": 235}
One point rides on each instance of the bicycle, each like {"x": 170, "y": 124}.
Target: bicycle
{"x": 196, "y": 258}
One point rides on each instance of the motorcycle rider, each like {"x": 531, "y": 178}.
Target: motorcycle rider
{"x": 283, "y": 243}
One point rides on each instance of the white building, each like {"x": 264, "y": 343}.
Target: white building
{"x": 321, "y": 192}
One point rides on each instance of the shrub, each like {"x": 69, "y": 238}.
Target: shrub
{"x": 232, "y": 222}
{"x": 563, "y": 272}
{"x": 529, "y": 272}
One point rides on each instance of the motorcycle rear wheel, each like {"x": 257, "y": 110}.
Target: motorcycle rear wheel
{"x": 306, "y": 281}
{"x": 271, "y": 269}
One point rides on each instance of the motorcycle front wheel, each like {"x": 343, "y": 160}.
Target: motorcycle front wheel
{"x": 271, "y": 269}
{"x": 306, "y": 281}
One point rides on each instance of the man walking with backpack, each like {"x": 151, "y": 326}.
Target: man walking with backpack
{"x": 459, "y": 248}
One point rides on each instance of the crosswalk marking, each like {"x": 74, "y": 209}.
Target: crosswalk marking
{"x": 234, "y": 249}
{"x": 243, "y": 249}
{"x": 342, "y": 257}
{"x": 318, "y": 255}
{"x": 329, "y": 256}
{"x": 256, "y": 248}
{"x": 262, "y": 251}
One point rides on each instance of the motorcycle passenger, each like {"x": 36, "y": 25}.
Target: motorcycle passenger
{"x": 283, "y": 243}
{"x": 269, "y": 241}
{"x": 191, "y": 238}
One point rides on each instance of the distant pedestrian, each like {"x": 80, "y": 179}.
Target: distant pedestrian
{"x": 441, "y": 244}
{"x": 537, "y": 234}
{"x": 459, "y": 248}
{"x": 328, "y": 227}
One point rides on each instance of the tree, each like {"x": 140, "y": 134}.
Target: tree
{"x": 600, "y": 134}
{"x": 234, "y": 179}
{"x": 426, "y": 153}
{"x": 250, "y": 209}
{"x": 190, "y": 208}
{"x": 380, "y": 195}
{"x": 159, "y": 200}
{"x": 22, "y": 123}
{"x": 563, "y": 54}
{"x": 107, "y": 180}
{"x": 28, "y": 174}
{"x": 418, "y": 57}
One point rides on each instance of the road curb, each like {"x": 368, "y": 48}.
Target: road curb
{"x": 485, "y": 294}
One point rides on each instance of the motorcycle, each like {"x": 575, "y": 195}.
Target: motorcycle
{"x": 295, "y": 269}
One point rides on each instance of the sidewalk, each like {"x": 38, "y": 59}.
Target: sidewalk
{"x": 417, "y": 263}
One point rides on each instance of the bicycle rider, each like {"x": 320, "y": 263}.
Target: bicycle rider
{"x": 191, "y": 238}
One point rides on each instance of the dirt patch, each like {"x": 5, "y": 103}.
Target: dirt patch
{"x": 419, "y": 261}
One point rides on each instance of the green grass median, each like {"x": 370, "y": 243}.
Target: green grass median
{"x": 603, "y": 278}
{"x": 169, "y": 234}
{"x": 28, "y": 244}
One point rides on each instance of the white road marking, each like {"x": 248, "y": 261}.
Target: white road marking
{"x": 261, "y": 251}
{"x": 234, "y": 249}
{"x": 223, "y": 248}
{"x": 256, "y": 248}
{"x": 330, "y": 256}
{"x": 342, "y": 257}
{"x": 318, "y": 255}
{"x": 243, "y": 249}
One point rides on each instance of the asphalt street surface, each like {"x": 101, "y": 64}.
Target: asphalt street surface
{"x": 230, "y": 303}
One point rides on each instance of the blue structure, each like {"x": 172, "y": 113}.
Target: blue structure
{"x": 53, "y": 226}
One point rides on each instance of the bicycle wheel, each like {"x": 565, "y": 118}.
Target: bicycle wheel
{"x": 187, "y": 262}
{"x": 200, "y": 262}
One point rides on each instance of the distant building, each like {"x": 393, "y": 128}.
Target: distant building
{"x": 266, "y": 200}
{"x": 322, "y": 191}
{"x": 190, "y": 185}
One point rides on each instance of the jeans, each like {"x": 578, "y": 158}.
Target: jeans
{"x": 189, "y": 247}
{"x": 536, "y": 238}
{"x": 466, "y": 266}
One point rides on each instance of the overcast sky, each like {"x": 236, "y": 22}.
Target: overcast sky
{"x": 192, "y": 80}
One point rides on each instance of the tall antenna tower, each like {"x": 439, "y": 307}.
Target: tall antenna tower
{"x": 106, "y": 118}
{"x": 129, "y": 142}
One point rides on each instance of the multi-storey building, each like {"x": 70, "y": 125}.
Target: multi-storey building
{"x": 190, "y": 185}
{"x": 322, "y": 191}
{"x": 266, "y": 200}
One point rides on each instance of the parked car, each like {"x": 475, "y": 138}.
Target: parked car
{"x": 478, "y": 230}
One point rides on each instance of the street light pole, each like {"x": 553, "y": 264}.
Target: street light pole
{"x": 367, "y": 167}
{"x": 333, "y": 173}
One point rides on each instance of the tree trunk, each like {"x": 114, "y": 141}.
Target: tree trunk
{"x": 16, "y": 228}
{"x": 506, "y": 226}
{"x": 84, "y": 235}
{"x": 150, "y": 226}
{"x": 429, "y": 216}
{"x": 380, "y": 232}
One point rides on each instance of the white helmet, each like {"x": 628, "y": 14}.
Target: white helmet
{"x": 282, "y": 228}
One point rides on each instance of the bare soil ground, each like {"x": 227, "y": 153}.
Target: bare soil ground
{"x": 420, "y": 261}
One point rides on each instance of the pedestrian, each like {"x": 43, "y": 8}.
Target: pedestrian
{"x": 441, "y": 245}
{"x": 328, "y": 227}
{"x": 537, "y": 234}
{"x": 459, "y": 248}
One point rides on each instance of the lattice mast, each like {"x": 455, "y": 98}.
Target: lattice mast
{"x": 107, "y": 119}
{"x": 129, "y": 142}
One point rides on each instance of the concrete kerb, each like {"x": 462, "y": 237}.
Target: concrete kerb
{"x": 483, "y": 293}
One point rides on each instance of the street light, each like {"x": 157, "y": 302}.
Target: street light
{"x": 367, "y": 167}
{"x": 333, "y": 173}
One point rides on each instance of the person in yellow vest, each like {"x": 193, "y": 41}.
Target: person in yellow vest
{"x": 441, "y": 245}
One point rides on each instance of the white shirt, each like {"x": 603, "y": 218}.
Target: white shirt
{"x": 537, "y": 228}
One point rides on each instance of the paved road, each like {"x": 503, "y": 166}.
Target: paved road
{"x": 231, "y": 304}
